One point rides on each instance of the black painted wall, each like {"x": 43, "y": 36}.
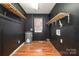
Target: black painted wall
{"x": 1, "y": 11}
{"x": 11, "y": 32}
{"x": 1, "y": 37}
{"x": 69, "y": 32}
{"x": 30, "y": 22}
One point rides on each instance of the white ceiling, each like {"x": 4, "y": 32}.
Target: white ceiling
{"x": 43, "y": 8}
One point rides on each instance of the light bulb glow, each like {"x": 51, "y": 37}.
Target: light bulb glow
{"x": 34, "y": 5}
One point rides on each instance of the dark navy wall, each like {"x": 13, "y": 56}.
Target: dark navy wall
{"x": 69, "y": 32}
{"x": 11, "y": 32}
{"x": 29, "y": 24}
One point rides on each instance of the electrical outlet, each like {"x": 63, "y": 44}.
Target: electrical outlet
{"x": 58, "y": 32}
{"x": 61, "y": 40}
{"x": 18, "y": 41}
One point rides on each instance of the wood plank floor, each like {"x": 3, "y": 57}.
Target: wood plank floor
{"x": 37, "y": 48}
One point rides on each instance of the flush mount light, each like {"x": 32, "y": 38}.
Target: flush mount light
{"x": 40, "y": 1}
{"x": 34, "y": 5}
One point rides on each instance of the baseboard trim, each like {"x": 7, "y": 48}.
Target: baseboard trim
{"x": 16, "y": 49}
{"x": 52, "y": 46}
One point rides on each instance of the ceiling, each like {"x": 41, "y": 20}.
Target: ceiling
{"x": 37, "y": 8}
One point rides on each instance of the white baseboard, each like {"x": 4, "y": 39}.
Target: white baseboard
{"x": 16, "y": 49}
{"x": 52, "y": 46}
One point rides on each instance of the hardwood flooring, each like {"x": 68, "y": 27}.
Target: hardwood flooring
{"x": 37, "y": 48}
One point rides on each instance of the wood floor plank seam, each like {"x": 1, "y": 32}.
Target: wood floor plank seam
{"x": 37, "y": 48}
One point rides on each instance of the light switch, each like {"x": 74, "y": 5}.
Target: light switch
{"x": 31, "y": 29}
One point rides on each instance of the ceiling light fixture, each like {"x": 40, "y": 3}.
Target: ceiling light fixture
{"x": 40, "y": 1}
{"x": 34, "y": 5}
